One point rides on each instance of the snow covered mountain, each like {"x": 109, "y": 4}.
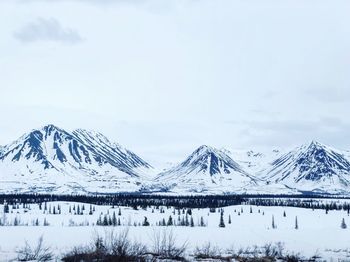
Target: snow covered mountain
{"x": 206, "y": 170}
{"x": 53, "y": 160}
{"x": 312, "y": 167}
{"x": 254, "y": 162}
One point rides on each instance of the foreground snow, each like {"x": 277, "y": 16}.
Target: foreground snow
{"x": 318, "y": 233}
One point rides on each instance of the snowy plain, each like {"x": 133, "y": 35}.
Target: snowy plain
{"x": 318, "y": 233}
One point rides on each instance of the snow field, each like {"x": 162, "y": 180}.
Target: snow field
{"x": 317, "y": 232}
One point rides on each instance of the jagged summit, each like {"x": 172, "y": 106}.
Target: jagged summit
{"x": 52, "y": 152}
{"x": 51, "y": 159}
{"x": 313, "y": 165}
{"x": 207, "y": 169}
{"x": 211, "y": 160}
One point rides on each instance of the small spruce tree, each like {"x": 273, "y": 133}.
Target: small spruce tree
{"x": 343, "y": 224}
{"x": 202, "y": 224}
{"x": 273, "y": 224}
{"x": 145, "y": 222}
{"x": 114, "y": 219}
{"x": 170, "y": 221}
{"x": 222, "y": 223}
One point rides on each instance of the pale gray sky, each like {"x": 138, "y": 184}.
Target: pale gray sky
{"x": 166, "y": 76}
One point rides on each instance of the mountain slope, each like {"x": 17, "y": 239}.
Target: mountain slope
{"x": 206, "y": 170}
{"x": 312, "y": 167}
{"x": 54, "y": 159}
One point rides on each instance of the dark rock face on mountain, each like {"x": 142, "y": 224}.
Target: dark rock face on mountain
{"x": 313, "y": 166}
{"x": 206, "y": 170}
{"x": 82, "y": 155}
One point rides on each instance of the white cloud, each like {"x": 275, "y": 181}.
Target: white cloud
{"x": 50, "y": 29}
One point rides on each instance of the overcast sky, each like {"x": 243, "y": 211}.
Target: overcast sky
{"x": 162, "y": 77}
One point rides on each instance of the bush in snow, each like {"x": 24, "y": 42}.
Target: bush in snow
{"x": 207, "y": 251}
{"x": 165, "y": 245}
{"x": 112, "y": 247}
{"x": 37, "y": 253}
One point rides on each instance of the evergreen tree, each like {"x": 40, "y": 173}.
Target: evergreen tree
{"x": 296, "y": 226}
{"x": 114, "y": 219}
{"x": 202, "y": 224}
{"x": 191, "y": 222}
{"x": 119, "y": 212}
{"x": 251, "y": 210}
{"x": 273, "y": 223}
{"x": 145, "y": 222}
{"x": 6, "y": 209}
{"x": 170, "y": 221}
{"x": 105, "y": 220}
{"x": 222, "y": 223}
{"x": 343, "y": 224}
{"x": 229, "y": 219}
{"x": 284, "y": 214}
{"x": 99, "y": 221}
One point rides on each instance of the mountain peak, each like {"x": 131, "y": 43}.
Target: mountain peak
{"x": 79, "y": 152}
{"x": 315, "y": 144}
{"x": 48, "y": 129}
{"x": 205, "y": 149}
{"x": 211, "y": 160}
{"x": 50, "y": 126}
{"x": 313, "y": 164}
{"x": 207, "y": 168}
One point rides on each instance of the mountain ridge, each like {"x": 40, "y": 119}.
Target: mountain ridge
{"x": 207, "y": 169}
{"x": 64, "y": 160}
{"x": 51, "y": 159}
{"x": 311, "y": 165}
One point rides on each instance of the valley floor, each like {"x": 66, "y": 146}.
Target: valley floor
{"x": 318, "y": 233}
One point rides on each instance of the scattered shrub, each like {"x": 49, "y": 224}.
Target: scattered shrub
{"x": 37, "y": 253}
